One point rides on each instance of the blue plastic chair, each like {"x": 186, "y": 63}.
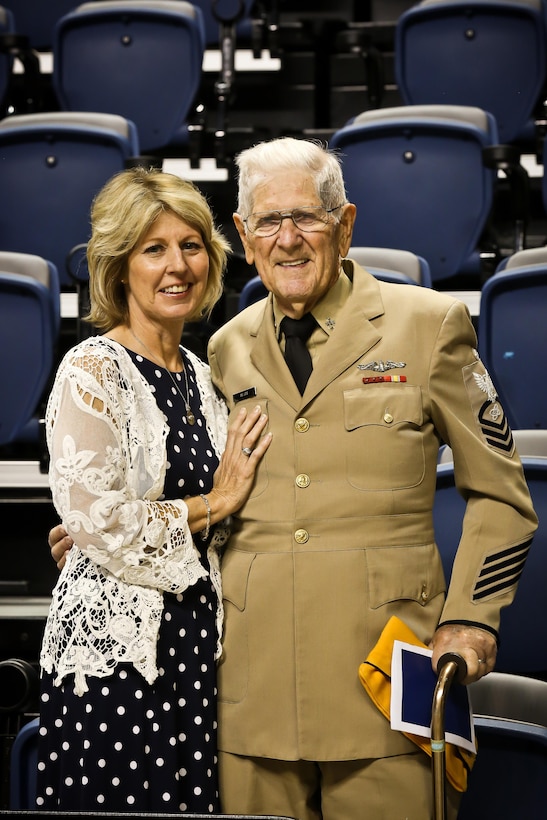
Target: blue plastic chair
{"x": 475, "y": 52}
{"x": 387, "y": 264}
{"x": 418, "y": 179}
{"x": 523, "y": 626}
{"x": 149, "y": 66}
{"x": 28, "y": 337}
{"x": 512, "y": 334}
{"x": 53, "y": 165}
{"x": 393, "y": 265}
{"x": 23, "y": 767}
{"x": 509, "y": 778}
{"x": 251, "y": 292}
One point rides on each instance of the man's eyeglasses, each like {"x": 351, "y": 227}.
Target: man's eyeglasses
{"x": 267, "y": 223}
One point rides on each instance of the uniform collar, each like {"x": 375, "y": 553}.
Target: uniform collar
{"x": 326, "y": 311}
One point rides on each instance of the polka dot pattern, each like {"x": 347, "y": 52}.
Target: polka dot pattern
{"x": 126, "y": 745}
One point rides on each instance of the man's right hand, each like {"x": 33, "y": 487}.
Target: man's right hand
{"x": 59, "y": 543}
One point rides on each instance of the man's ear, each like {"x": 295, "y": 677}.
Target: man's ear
{"x": 240, "y": 225}
{"x": 347, "y": 221}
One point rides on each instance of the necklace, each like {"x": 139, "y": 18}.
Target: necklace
{"x": 190, "y": 418}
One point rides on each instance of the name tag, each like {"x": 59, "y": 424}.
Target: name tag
{"x": 245, "y": 394}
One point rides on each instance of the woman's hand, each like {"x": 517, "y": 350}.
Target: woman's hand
{"x": 245, "y": 447}
{"x": 59, "y": 543}
{"x": 232, "y": 483}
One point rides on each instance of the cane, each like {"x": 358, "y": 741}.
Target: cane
{"x": 451, "y": 666}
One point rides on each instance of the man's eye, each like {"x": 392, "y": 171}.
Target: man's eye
{"x": 267, "y": 221}
{"x": 305, "y": 217}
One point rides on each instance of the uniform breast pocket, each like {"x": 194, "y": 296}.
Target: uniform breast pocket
{"x": 384, "y": 442}
{"x": 261, "y": 476}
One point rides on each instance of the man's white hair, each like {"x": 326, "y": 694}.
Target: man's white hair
{"x": 283, "y": 156}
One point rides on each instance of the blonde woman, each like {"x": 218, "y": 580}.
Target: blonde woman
{"x": 144, "y": 475}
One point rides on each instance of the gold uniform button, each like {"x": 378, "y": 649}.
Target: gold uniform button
{"x": 301, "y": 536}
{"x": 425, "y": 594}
{"x": 301, "y": 425}
{"x": 303, "y": 480}
{"x": 388, "y": 418}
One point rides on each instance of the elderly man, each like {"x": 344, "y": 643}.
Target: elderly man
{"x": 337, "y": 535}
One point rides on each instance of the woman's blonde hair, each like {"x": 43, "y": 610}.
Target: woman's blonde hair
{"x": 121, "y": 215}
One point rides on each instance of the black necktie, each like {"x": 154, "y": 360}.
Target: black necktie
{"x": 297, "y": 355}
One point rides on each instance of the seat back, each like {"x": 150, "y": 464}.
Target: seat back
{"x": 53, "y": 165}
{"x": 417, "y": 177}
{"x": 510, "y": 717}
{"x": 251, "y": 292}
{"x": 42, "y": 271}
{"x": 512, "y": 335}
{"x": 523, "y": 648}
{"x": 394, "y": 265}
{"x": 23, "y": 767}
{"x": 27, "y": 340}
{"x": 471, "y": 52}
{"x": 149, "y": 71}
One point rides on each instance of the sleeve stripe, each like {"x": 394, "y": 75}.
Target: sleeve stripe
{"x": 508, "y": 552}
{"x": 501, "y": 571}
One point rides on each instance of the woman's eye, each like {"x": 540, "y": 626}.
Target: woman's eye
{"x": 153, "y": 249}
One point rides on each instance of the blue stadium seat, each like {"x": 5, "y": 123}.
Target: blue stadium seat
{"x": 393, "y": 265}
{"x": 418, "y": 179}
{"x": 523, "y": 627}
{"x": 23, "y": 767}
{"x": 29, "y": 329}
{"x": 509, "y": 778}
{"x": 475, "y": 52}
{"x": 387, "y": 264}
{"x": 512, "y": 335}
{"x": 251, "y": 292}
{"x": 149, "y": 71}
{"x": 53, "y": 165}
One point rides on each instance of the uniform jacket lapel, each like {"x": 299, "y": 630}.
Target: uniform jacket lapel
{"x": 353, "y": 335}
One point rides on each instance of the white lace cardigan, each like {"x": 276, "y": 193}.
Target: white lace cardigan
{"x": 106, "y": 437}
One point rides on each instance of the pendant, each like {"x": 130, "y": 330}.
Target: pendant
{"x": 190, "y": 418}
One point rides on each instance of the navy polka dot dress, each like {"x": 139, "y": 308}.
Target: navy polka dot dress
{"x": 127, "y": 745}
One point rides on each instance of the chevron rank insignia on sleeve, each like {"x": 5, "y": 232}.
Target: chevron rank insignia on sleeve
{"x": 489, "y": 413}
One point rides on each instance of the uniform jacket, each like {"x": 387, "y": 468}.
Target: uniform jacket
{"x": 337, "y": 534}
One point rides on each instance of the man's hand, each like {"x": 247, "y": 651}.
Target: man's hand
{"x": 477, "y": 647}
{"x": 59, "y": 543}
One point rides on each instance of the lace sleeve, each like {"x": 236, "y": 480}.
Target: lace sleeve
{"x": 106, "y": 438}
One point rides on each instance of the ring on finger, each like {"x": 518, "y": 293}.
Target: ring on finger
{"x": 246, "y": 451}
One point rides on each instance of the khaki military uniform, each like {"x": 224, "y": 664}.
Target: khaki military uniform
{"x": 337, "y": 534}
